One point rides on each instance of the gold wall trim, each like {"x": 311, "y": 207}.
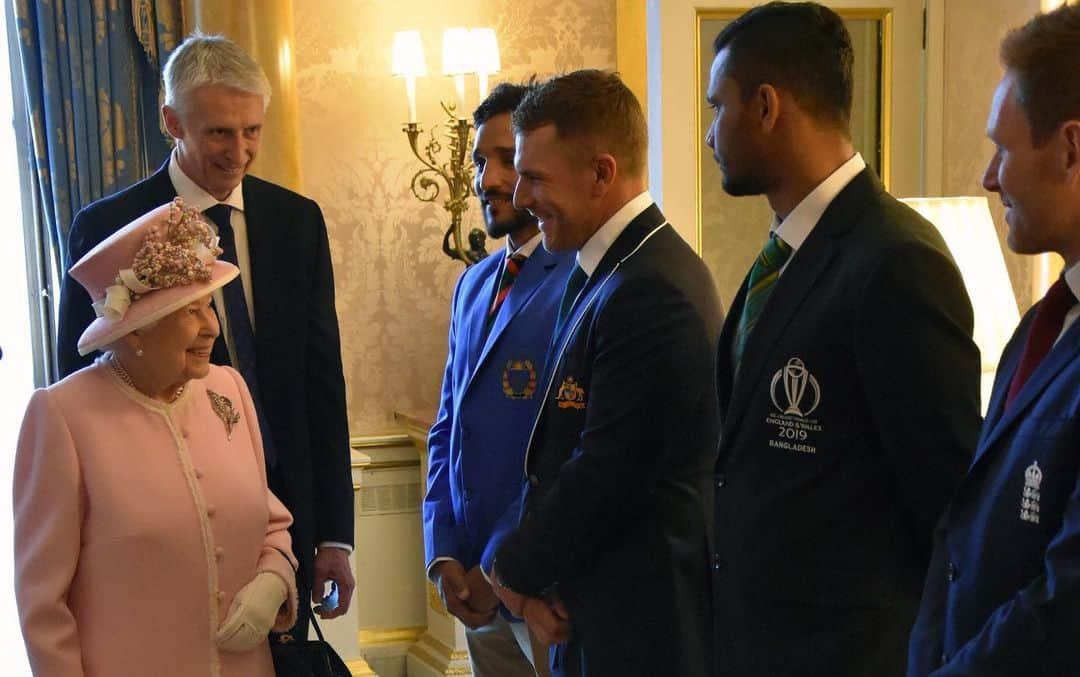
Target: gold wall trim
{"x": 388, "y": 465}
{"x": 430, "y": 645}
{"x": 376, "y": 636}
{"x": 360, "y": 668}
{"x": 380, "y": 441}
{"x": 631, "y": 48}
{"x": 434, "y": 600}
{"x": 883, "y": 14}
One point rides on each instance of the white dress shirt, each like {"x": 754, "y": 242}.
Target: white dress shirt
{"x": 588, "y": 257}
{"x": 796, "y": 227}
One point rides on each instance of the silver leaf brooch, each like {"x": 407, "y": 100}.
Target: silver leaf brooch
{"x": 223, "y": 407}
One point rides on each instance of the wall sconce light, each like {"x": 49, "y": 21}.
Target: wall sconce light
{"x": 968, "y": 229}
{"x": 465, "y": 52}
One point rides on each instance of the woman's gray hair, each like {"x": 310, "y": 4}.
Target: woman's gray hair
{"x": 211, "y": 60}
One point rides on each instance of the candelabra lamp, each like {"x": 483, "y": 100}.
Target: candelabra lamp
{"x": 454, "y": 176}
{"x": 464, "y": 52}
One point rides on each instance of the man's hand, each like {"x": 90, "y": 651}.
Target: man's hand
{"x": 453, "y": 585}
{"x": 332, "y": 564}
{"x": 481, "y": 595}
{"x": 548, "y": 620}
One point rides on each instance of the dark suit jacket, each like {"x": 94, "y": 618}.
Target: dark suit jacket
{"x": 616, "y": 511}
{"x": 1003, "y": 593}
{"x": 851, "y": 419}
{"x": 298, "y": 351}
{"x": 476, "y": 449}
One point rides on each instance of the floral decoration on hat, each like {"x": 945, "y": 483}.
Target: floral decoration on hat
{"x": 178, "y": 252}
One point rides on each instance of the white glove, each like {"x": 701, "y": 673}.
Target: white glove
{"x": 252, "y": 613}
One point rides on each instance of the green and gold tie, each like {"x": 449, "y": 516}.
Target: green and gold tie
{"x": 763, "y": 276}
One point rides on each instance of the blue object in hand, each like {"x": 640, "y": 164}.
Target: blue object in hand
{"x": 330, "y": 600}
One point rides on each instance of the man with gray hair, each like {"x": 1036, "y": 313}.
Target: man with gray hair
{"x": 279, "y": 326}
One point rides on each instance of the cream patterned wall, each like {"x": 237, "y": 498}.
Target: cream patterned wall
{"x": 973, "y": 33}
{"x": 393, "y": 281}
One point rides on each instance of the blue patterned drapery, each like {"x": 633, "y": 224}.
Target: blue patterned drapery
{"x": 91, "y": 70}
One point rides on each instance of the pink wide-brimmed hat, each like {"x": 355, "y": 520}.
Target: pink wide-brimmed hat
{"x": 158, "y": 263}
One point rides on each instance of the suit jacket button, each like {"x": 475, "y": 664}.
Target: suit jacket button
{"x": 716, "y": 564}
{"x": 721, "y": 480}
{"x": 944, "y": 658}
{"x": 534, "y": 480}
{"x": 950, "y": 572}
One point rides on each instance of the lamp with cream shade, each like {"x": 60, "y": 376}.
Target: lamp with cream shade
{"x": 485, "y": 57}
{"x": 407, "y": 61}
{"x": 968, "y": 229}
{"x": 458, "y": 60}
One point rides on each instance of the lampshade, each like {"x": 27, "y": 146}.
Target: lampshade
{"x": 485, "y": 50}
{"x": 408, "y": 54}
{"x": 968, "y": 229}
{"x": 457, "y": 52}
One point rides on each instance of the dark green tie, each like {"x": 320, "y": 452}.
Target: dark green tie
{"x": 574, "y": 284}
{"x": 763, "y": 276}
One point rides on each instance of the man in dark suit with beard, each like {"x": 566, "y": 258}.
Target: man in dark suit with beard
{"x": 847, "y": 377}
{"x": 610, "y": 559}
{"x": 278, "y": 323}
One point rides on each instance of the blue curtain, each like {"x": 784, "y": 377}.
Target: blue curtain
{"x": 91, "y": 70}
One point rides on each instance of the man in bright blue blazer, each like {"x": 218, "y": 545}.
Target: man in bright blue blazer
{"x": 1002, "y": 597}
{"x": 502, "y": 318}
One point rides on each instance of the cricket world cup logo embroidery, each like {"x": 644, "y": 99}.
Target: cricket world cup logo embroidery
{"x": 801, "y": 392}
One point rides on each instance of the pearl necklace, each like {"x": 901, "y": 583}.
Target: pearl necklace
{"x": 126, "y": 377}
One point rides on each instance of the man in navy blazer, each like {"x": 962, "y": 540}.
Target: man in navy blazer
{"x": 847, "y": 377}
{"x": 501, "y": 321}
{"x": 611, "y": 559}
{"x": 215, "y": 103}
{"x": 1002, "y": 595}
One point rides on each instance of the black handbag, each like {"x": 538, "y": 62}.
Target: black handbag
{"x": 306, "y": 658}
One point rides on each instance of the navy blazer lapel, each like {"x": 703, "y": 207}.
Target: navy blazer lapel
{"x": 533, "y": 273}
{"x": 798, "y": 280}
{"x": 259, "y": 222}
{"x": 1064, "y": 351}
{"x": 725, "y": 368}
{"x": 1010, "y": 360}
{"x": 643, "y": 224}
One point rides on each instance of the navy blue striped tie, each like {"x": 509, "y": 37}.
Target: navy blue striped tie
{"x": 239, "y": 323}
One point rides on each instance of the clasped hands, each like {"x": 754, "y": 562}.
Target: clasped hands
{"x": 474, "y": 601}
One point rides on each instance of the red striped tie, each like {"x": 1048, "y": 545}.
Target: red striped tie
{"x": 514, "y": 262}
{"x": 1046, "y": 326}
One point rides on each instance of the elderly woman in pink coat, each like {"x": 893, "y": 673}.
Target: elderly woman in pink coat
{"x": 146, "y": 541}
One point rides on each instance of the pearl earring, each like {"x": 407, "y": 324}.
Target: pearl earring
{"x": 138, "y": 352}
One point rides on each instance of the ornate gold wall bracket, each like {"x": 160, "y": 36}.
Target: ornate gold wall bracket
{"x": 454, "y": 176}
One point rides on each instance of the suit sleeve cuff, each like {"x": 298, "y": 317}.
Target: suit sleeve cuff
{"x": 432, "y": 563}
{"x": 335, "y": 544}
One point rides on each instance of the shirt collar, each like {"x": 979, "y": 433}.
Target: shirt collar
{"x": 1072, "y": 278}
{"x": 526, "y": 249}
{"x": 594, "y": 249}
{"x": 797, "y": 226}
{"x": 192, "y": 193}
